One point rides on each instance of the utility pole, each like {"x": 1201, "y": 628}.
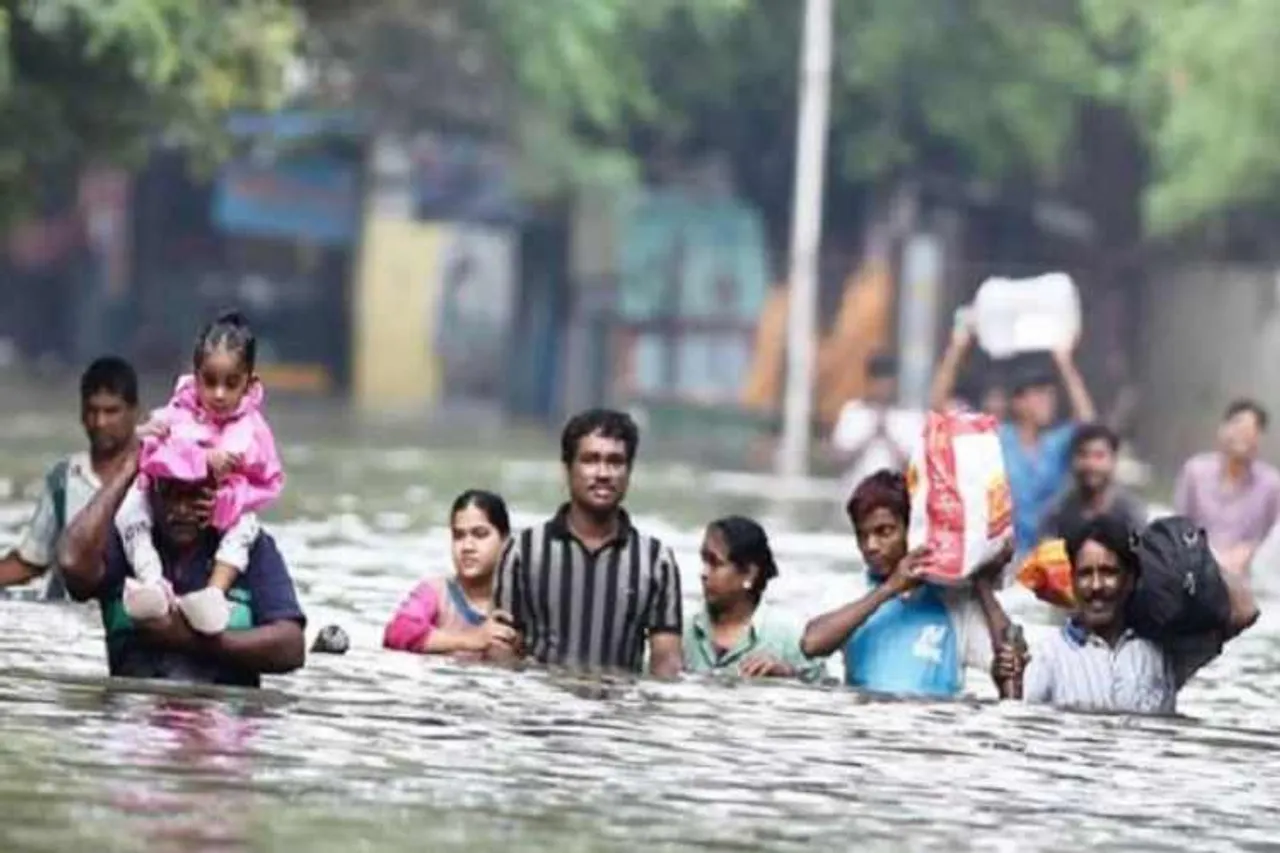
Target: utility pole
{"x": 806, "y": 232}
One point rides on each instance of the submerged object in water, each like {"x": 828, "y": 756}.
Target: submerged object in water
{"x": 331, "y": 640}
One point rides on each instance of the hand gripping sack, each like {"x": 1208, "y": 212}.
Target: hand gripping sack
{"x": 1180, "y": 591}
{"x": 961, "y": 508}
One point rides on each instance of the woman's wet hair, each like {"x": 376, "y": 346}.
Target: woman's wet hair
{"x": 229, "y": 330}
{"x": 884, "y": 489}
{"x": 489, "y": 503}
{"x": 1109, "y": 531}
{"x": 748, "y": 545}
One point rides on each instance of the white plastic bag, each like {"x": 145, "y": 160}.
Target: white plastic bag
{"x": 961, "y": 506}
{"x": 1017, "y": 315}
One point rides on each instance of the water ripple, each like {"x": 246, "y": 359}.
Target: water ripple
{"x": 386, "y": 751}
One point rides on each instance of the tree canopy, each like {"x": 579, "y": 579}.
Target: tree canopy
{"x": 978, "y": 89}
{"x": 987, "y": 90}
{"x": 1198, "y": 77}
{"x": 100, "y": 80}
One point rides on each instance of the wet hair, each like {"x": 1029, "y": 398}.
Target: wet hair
{"x": 1109, "y": 531}
{"x": 1029, "y": 378}
{"x": 609, "y": 423}
{"x": 1087, "y": 434}
{"x": 975, "y": 386}
{"x": 1253, "y": 407}
{"x": 884, "y": 489}
{"x": 748, "y": 545}
{"x": 112, "y": 375}
{"x": 230, "y": 330}
{"x": 882, "y": 366}
{"x": 489, "y": 503}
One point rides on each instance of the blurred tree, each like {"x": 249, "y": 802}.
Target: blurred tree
{"x": 979, "y": 88}
{"x": 1197, "y": 75}
{"x": 99, "y": 80}
{"x": 978, "y": 93}
{"x": 563, "y": 78}
{"x": 991, "y": 86}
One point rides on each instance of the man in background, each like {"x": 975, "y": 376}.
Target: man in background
{"x": 1231, "y": 493}
{"x": 109, "y": 414}
{"x": 872, "y": 434}
{"x": 1093, "y": 490}
{"x": 1037, "y": 449}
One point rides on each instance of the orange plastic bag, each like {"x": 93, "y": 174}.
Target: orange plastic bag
{"x": 1047, "y": 572}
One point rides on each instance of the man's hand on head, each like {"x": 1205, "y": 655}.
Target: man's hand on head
{"x": 204, "y": 500}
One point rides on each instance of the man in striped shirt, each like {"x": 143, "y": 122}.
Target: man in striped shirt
{"x": 1096, "y": 662}
{"x": 586, "y": 589}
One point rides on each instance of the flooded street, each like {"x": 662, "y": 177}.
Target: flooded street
{"x": 385, "y": 751}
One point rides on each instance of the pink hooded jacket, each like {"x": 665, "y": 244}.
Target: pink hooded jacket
{"x": 193, "y": 432}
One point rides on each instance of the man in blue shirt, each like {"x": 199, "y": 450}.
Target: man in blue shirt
{"x": 904, "y": 637}
{"x": 1037, "y": 454}
{"x": 265, "y": 634}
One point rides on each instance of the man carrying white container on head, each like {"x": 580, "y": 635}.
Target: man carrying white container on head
{"x": 1019, "y": 319}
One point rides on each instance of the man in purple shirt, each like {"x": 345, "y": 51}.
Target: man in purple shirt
{"x": 1229, "y": 492}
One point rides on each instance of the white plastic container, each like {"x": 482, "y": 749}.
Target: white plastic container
{"x": 1017, "y": 315}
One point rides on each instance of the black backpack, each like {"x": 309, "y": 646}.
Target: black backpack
{"x": 1180, "y": 591}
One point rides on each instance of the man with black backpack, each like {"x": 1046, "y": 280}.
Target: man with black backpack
{"x": 1151, "y": 609}
{"x": 109, "y": 414}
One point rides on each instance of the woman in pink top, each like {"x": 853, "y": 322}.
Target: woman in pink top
{"x": 212, "y": 427}
{"x": 446, "y": 615}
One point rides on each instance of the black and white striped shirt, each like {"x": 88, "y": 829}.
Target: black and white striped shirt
{"x": 584, "y": 609}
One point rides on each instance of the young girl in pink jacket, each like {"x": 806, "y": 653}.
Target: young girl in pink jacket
{"x": 212, "y": 427}
{"x": 450, "y": 615}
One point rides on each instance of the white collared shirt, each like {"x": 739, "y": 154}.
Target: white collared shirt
{"x": 41, "y": 536}
{"x": 1078, "y": 670}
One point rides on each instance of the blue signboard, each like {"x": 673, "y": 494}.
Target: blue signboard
{"x": 306, "y": 197}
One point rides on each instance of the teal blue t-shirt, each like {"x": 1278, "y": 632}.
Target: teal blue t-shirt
{"x": 1036, "y": 476}
{"x": 262, "y": 594}
{"x": 909, "y": 647}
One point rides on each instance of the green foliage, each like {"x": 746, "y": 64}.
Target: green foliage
{"x": 1199, "y": 77}
{"x": 994, "y": 83}
{"x": 99, "y": 80}
{"x": 976, "y": 88}
{"x": 989, "y": 88}
{"x": 985, "y": 89}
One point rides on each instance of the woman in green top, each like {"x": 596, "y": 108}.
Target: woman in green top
{"x": 731, "y": 633}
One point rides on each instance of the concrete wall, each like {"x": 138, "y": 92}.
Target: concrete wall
{"x": 1205, "y": 335}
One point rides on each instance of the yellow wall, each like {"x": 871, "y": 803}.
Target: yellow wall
{"x": 395, "y": 365}
{"x": 861, "y": 329}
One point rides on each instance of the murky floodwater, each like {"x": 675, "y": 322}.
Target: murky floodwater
{"x": 383, "y": 751}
